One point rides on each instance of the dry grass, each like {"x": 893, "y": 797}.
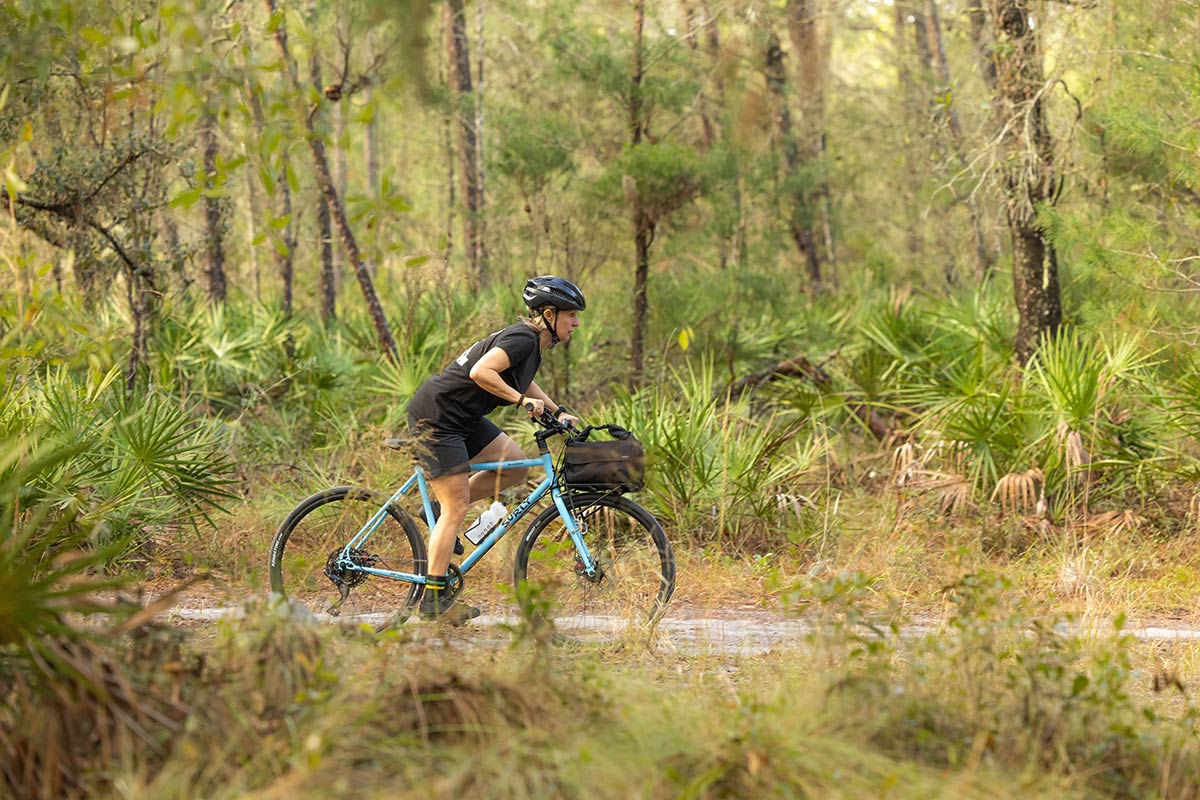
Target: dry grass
{"x": 1142, "y": 562}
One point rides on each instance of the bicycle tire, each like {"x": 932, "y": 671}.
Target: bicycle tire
{"x": 635, "y": 558}
{"x": 323, "y": 524}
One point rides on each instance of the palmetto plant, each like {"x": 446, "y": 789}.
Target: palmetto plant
{"x": 1094, "y": 401}
{"x": 69, "y": 703}
{"x": 138, "y": 463}
{"x": 717, "y": 465}
{"x": 224, "y": 355}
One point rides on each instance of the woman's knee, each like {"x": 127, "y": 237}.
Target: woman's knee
{"x": 453, "y": 492}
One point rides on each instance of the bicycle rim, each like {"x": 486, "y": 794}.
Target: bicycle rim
{"x": 320, "y": 527}
{"x": 635, "y": 562}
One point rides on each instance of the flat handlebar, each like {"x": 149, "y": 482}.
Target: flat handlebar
{"x": 550, "y": 426}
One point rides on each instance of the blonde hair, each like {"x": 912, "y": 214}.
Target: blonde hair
{"x": 535, "y": 321}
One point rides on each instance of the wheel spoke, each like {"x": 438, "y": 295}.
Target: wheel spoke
{"x": 319, "y": 528}
{"x": 634, "y": 566}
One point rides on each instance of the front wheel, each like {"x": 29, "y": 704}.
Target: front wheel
{"x": 303, "y": 564}
{"x": 635, "y": 565}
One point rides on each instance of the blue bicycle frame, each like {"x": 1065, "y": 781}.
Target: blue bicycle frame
{"x": 418, "y": 479}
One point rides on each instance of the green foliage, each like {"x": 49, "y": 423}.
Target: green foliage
{"x": 716, "y": 468}
{"x": 534, "y": 149}
{"x": 138, "y": 463}
{"x": 48, "y": 557}
{"x": 658, "y": 179}
{"x": 224, "y": 356}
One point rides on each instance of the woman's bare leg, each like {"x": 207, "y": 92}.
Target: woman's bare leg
{"x": 453, "y": 493}
{"x": 488, "y": 484}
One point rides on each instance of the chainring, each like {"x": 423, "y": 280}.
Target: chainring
{"x": 454, "y": 582}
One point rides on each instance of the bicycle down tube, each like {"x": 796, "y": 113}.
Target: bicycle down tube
{"x": 418, "y": 479}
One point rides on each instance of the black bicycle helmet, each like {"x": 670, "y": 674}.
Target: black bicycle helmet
{"x": 551, "y": 290}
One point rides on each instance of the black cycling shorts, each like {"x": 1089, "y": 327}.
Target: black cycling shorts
{"x": 446, "y": 452}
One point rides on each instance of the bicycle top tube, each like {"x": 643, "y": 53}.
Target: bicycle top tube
{"x": 520, "y": 463}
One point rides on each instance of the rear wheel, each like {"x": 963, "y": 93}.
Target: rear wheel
{"x": 635, "y": 565}
{"x": 303, "y": 564}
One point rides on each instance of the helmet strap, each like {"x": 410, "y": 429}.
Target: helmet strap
{"x": 553, "y": 327}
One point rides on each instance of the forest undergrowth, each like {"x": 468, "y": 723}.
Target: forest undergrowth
{"x": 908, "y": 473}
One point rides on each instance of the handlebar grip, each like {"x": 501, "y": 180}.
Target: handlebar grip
{"x": 529, "y": 406}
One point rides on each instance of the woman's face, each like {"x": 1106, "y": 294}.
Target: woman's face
{"x": 564, "y": 323}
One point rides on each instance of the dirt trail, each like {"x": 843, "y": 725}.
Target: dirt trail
{"x": 733, "y": 632}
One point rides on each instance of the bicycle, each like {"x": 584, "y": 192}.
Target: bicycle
{"x": 592, "y": 552}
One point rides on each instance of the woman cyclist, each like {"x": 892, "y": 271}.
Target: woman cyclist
{"x": 449, "y": 413}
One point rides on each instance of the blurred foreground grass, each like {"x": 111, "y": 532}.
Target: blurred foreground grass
{"x": 1000, "y": 702}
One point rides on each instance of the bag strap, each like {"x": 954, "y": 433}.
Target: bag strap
{"x": 615, "y": 431}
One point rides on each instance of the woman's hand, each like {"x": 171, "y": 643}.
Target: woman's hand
{"x": 570, "y": 420}
{"x": 534, "y": 406}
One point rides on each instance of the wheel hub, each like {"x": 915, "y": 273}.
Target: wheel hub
{"x": 344, "y": 569}
{"x": 596, "y": 577}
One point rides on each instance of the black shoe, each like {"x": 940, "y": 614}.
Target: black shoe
{"x": 437, "y": 512}
{"x": 448, "y": 610}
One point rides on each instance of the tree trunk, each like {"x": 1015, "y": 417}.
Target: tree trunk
{"x": 139, "y": 310}
{"x": 643, "y": 237}
{"x": 253, "y": 215}
{"x": 448, "y": 144}
{"x": 371, "y": 145}
{"x": 283, "y": 257}
{"x": 905, "y": 100}
{"x": 328, "y": 273}
{"x": 324, "y": 229}
{"x": 695, "y": 29}
{"x": 214, "y": 221}
{"x": 460, "y": 72}
{"x": 800, "y": 216}
{"x": 643, "y": 226}
{"x": 811, "y": 47}
{"x": 479, "y": 142}
{"x": 983, "y": 261}
{"x": 977, "y": 15}
{"x": 286, "y": 261}
{"x": 1027, "y": 171}
{"x": 316, "y": 145}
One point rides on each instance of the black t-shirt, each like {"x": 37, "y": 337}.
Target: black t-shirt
{"x": 452, "y": 401}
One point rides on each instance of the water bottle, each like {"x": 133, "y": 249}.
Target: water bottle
{"x": 487, "y": 520}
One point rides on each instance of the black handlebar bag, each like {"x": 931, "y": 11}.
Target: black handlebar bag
{"x": 618, "y": 465}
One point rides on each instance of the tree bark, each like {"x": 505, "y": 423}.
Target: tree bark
{"x": 643, "y": 225}
{"x": 799, "y": 212}
{"x": 283, "y": 260}
{"x": 447, "y": 143}
{"x": 978, "y": 17}
{"x": 324, "y": 228}
{"x": 811, "y": 48}
{"x": 464, "y": 100}
{"x": 1027, "y": 172}
{"x": 983, "y": 261}
{"x": 214, "y": 217}
{"x": 905, "y": 105}
{"x": 371, "y": 145}
{"x": 316, "y": 145}
{"x": 479, "y": 140}
{"x": 328, "y": 273}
